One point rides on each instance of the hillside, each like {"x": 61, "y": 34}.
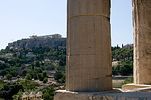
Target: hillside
{"x": 38, "y": 64}
{"x": 34, "y": 64}
{"x": 51, "y": 41}
{"x": 122, "y": 58}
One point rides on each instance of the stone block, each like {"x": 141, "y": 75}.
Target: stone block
{"x": 106, "y": 95}
{"x": 136, "y": 88}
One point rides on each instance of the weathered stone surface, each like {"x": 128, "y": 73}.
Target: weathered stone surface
{"x": 136, "y": 87}
{"x": 108, "y": 95}
{"x": 88, "y": 46}
{"x": 142, "y": 41}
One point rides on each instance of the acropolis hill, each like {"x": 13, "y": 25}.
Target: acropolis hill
{"x": 51, "y": 41}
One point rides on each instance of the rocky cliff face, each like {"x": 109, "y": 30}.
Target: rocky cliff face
{"x": 38, "y": 41}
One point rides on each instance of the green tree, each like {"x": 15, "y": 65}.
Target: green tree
{"x": 8, "y": 76}
{"x": 59, "y": 77}
{"x": 44, "y": 74}
{"x": 28, "y": 77}
{"x": 40, "y": 77}
{"x": 48, "y": 93}
{"x": 28, "y": 84}
{"x": 37, "y": 64}
{"x": 45, "y": 80}
{"x": 123, "y": 68}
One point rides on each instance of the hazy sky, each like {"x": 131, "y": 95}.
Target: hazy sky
{"x": 23, "y": 18}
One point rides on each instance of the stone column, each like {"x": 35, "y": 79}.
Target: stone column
{"x": 142, "y": 41}
{"x": 88, "y": 46}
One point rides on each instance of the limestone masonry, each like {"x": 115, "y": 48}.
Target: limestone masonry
{"x": 142, "y": 41}
{"x": 88, "y": 46}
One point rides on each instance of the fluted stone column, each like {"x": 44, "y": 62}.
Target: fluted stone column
{"x": 88, "y": 46}
{"x": 142, "y": 41}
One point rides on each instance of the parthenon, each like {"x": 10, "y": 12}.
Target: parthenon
{"x": 89, "y": 71}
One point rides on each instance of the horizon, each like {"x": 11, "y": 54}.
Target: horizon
{"x": 21, "y": 19}
{"x": 61, "y": 37}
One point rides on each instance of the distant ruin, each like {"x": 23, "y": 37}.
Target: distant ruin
{"x": 50, "y": 41}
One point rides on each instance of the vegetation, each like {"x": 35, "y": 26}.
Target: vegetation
{"x": 9, "y": 90}
{"x": 31, "y": 69}
{"x": 123, "y": 68}
{"x": 128, "y": 80}
{"x": 124, "y": 57}
{"x": 27, "y": 66}
{"x": 48, "y": 93}
{"x": 122, "y": 54}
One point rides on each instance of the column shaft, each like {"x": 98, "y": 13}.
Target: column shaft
{"x": 142, "y": 41}
{"x": 88, "y": 46}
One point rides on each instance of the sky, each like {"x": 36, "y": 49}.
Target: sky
{"x": 23, "y": 18}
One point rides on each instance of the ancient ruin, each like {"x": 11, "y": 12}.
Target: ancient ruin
{"x": 142, "y": 44}
{"x": 89, "y": 55}
{"x": 89, "y": 48}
